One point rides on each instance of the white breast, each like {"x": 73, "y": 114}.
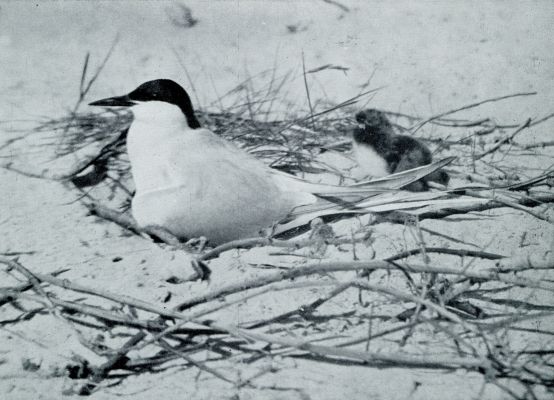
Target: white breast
{"x": 370, "y": 163}
{"x": 194, "y": 183}
{"x": 149, "y": 144}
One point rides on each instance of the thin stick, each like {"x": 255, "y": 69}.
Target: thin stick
{"x": 358, "y": 340}
{"x": 506, "y": 139}
{"x": 66, "y": 284}
{"x": 326, "y": 267}
{"x": 128, "y": 223}
{"x": 508, "y": 203}
{"x": 337, "y": 4}
{"x": 307, "y": 91}
{"x": 415, "y": 299}
{"x": 83, "y": 92}
{"x": 102, "y": 372}
{"x": 6, "y": 298}
{"x": 198, "y": 364}
{"x": 524, "y": 262}
{"x": 371, "y": 357}
{"x": 235, "y": 244}
{"x": 306, "y": 308}
{"x": 253, "y": 242}
{"x": 539, "y": 145}
{"x": 96, "y": 312}
{"x": 466, "y": 107}
{"x": 35, "y": 282}
{"x": 191, "y": 316}
{"x": 531, "y": 201}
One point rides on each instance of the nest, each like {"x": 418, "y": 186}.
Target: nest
{"x": 457, "y": 305}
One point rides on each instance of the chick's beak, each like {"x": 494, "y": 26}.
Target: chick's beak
{"x": 118, "y": 101}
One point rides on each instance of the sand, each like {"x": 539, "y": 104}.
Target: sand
{"x": 427, "y": 56}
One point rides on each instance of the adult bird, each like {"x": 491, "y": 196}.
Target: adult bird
{"x": 194, "y": 183}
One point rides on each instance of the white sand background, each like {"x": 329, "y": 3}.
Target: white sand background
{"x": 429, "y": 57}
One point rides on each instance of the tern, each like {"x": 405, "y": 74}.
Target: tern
{"x": 193, "y": 183}
{"x": 380, "y": 152}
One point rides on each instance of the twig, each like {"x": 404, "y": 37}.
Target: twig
{"x": 506, "y": 139}
{"x": 85, "y": 88}
{"x": 95, "y": 312}
{"x": 337, "y": 4}
{"x": 227, "y": 303}
{"x": 466, "y": 107}
{"x": 445, "y": 250}
{"x": 119, "y": 298}
{"x": 33, "y": 279}
{"x": 306, "y": 309}
{"x": 447, "y": 362}
{"x": 385, "y": 332}
{"x": 128, "y": 223}
{"x": 525, "y": 262}
{"x": 6, "y": 298}
{"x": 509, "y": 203}
{"x": 102, "y": 372}
{"x": 198, "y": 364}
{"x": 307, "y": 91}
{"x": 254, "y": 242}
{"x": 539, "y": 145}
{"x": 402, "y": 217}
{"x": 327, "y": 267}
{"x": 30, "y": 174}
{"x": 415, "y": 299}
{"x": 235, "y": 244}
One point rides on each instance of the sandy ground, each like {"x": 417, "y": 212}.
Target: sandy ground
{"x": 428, "y": 56}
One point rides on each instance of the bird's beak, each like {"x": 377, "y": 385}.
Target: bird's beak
{"x": 119, "y": 101}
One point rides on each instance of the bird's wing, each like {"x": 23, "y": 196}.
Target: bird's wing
{"x": 305, "y": 200}
{"x": 361, "y": 190}
{"x": 290, "y": 183}
{"x": 401, "y": 179}
{"x": 413, "y": 203}
{"x": 371, "y": 196}
{"x": 234, "y": 168}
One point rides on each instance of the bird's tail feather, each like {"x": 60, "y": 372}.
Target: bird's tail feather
{"x": 351, "y": 197}
{"x": 370, "y": 196}
{"x": 361, "y": 190}
{"x": 401, "y": 179}
{"x": 413, "y": 203}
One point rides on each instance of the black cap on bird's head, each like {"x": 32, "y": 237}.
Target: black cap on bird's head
{"x": 374, "y": 129}
{"x": 164, "y": 90}
{"x": 372, "y": 118}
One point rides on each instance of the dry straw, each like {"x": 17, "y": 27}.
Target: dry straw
{"x": 457, "y": 303}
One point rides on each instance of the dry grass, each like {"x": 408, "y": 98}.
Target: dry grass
{"x": 458, "y": 305}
